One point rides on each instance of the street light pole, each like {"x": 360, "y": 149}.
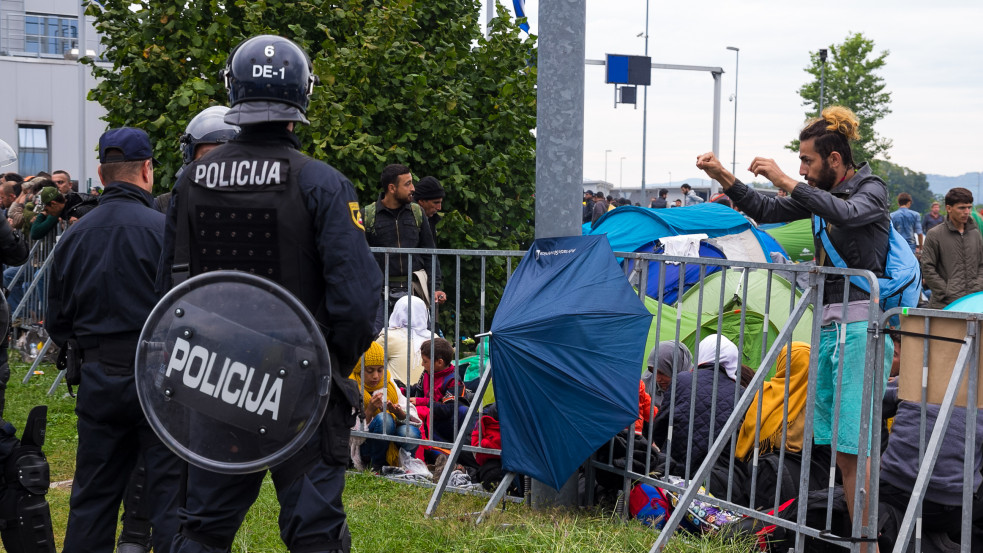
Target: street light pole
{"x": 737, "y": 66}
{"x": 606, "y": 152}
{"x": 621, "y": 177}
{"x": 670, "y": 179}
{"x": 645, "y": 102}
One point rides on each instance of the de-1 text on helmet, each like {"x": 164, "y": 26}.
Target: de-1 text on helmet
{"x": 269, "y": 78}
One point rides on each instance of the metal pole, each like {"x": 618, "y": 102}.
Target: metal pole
{"x": 82, "y": 145}
{"x": 645, "y": 103}
{"x": 560, "y": 117}
{"x": 737, "y": 66}
{"x": 716, "y": 125}
{"x": 559, "y": 151}
{"x": 606, "y": 152}
{"x": 621, "y": 177}
{"x": 822, "y": 78}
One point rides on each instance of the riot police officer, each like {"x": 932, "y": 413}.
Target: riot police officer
{"x": 257, "y": 204}
{"x": 205, "y": 131}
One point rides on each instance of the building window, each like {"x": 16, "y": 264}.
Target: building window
{"x": 50, "y": 34}
{"x": 33, "y": 151}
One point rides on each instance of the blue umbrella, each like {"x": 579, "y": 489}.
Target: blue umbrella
{"x": 567, "y": 340}
{"x": 972, "y": 303}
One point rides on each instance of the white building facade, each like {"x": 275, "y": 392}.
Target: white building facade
{"x": 44, "y": 114}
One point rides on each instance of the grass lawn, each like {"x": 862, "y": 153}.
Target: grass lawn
{"x": 384, "y": 516}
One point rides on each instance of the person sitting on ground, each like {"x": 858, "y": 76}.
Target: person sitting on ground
{"x": 488, "y": 434}
{"x": 728, "y": 357}
{"x": 793, "y": 370}
{"x": 409, "y": 326}
{"x": 710, "y": 395}
{"x": 442, "y": 396}
{"x": 386, "y": 412}
{"x": 665, "y": 359}
{"x": 942, "y": 505}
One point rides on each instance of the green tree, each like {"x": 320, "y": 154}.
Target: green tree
{"x": 401, "y": 81}
{"x": 901, "y": 179}
{"x": 851, "y": 81}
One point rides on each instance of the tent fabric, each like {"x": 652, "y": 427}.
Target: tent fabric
{"x": 671, "y": 277}
{"x": 795, "y": 238}
{"x": 566, "y": 341}
{"x": 666, "y": 318}
{"x": 972, "y": 303}
{"x": 779, "y": 307}
{"x": 629, "y": 227}
{"x": 771, "y": 245}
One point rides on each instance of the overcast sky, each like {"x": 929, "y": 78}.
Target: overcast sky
{"x": 934, "y": 72}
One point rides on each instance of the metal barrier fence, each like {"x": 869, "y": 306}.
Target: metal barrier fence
{"x": 26, "y": 285}
{"x": 746, "y": 445}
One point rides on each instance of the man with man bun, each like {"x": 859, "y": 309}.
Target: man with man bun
{"x": 854, "y": 204}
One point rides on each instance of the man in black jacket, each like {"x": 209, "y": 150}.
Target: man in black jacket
{"x": 853, "y": 201}
{"x": 395, "y": 221}
{"x": 115, "y": 248}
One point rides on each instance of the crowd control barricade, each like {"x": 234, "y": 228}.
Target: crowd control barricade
{"x": 472, "y": 280}
{"x": 939, "y": 371}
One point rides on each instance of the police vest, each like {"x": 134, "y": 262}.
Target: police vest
{"x": 240, "y": 207}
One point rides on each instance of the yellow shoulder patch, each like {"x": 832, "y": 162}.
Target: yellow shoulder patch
{"x": 356, "y": 215}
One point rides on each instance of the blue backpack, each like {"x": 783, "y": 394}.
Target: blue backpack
{"x": 901, "y": 285}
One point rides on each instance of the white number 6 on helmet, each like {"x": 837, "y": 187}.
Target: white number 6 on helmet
{"x": 269, "y": 51}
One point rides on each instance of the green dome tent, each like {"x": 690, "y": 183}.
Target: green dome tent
{"x": 795, "y": 238}
{"x": 779, "y": 308}
{"x": 730, "y": 326}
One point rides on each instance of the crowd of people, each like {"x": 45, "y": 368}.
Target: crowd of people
{"x": 393, "y": 372}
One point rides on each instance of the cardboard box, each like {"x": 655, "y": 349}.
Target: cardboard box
{"x": 942, "y": 356}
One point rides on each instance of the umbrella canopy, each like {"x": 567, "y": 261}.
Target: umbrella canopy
{"x": 567, "y": 340}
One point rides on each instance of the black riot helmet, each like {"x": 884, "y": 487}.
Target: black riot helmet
{"x": 208, "y": 127}
{"x": 269, "y": 79}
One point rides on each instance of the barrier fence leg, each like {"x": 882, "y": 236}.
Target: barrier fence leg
{"x": 37, "y": 360}
{"x": 54, "y": 385}
{"x": 496, "y": 497}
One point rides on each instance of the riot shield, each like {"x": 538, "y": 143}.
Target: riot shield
{"x": 7, "y": 155}
{"x": 232, "y": 372}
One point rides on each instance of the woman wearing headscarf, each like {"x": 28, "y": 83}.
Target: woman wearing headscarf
{"x": 665, "y": 359}
{"x": 409, "y": 327}
{"x": 792, "y": 371}
{"x": 710, "y": 395}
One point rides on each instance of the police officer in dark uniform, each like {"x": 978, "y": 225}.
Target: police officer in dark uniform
{"x": 101, "y": 290}
{"x": 257, "y": 204}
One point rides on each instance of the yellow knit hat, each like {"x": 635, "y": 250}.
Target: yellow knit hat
{"x": 375, "y": 355}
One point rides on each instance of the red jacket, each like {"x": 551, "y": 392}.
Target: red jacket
{"x": 491, "y": 437}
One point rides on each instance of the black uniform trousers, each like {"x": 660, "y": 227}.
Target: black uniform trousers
{"x": 112, "y": 433}
{"x": 308, "y": 486}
